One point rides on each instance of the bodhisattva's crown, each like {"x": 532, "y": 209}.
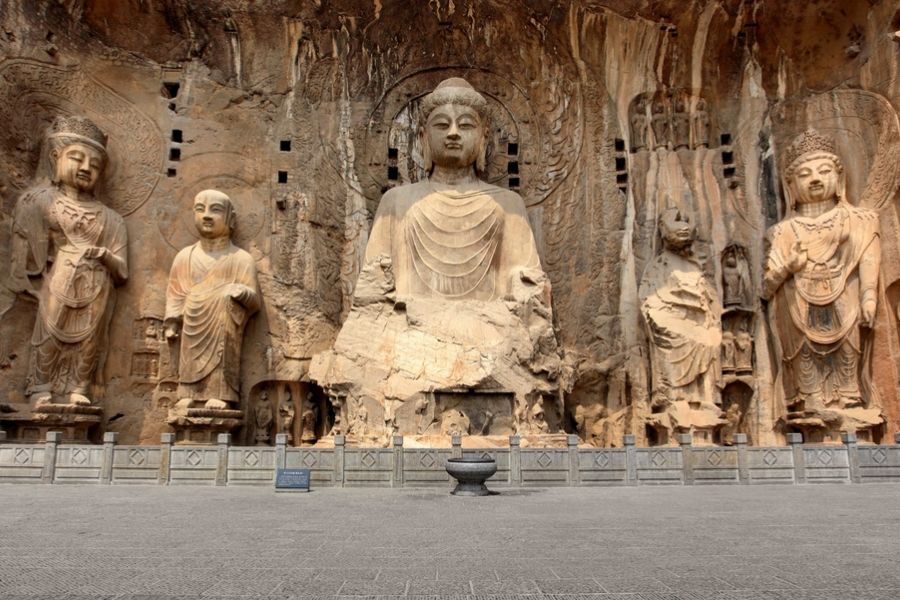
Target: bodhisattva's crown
{"x": 81, "y": 127}
{"x": 810, "y": 141}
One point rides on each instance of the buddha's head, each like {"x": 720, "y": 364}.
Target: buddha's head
{"x": 455, "y": 126}
{"x": 214, "y": 214}
{"x": 676, "y": 229}
{"x": 813, "y": 172}
{"x": 76, "y": 152}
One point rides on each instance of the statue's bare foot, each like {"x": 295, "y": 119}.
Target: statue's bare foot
{"x": 216, "y": 404}
{"x": 42, "y": 398}
{"x": 184, "y": 403}
{"x": 79, "y": 399}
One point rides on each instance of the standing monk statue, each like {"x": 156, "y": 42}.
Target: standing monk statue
{"x": 76, "y": 245}
{"x": 212, "y": 293}
{"x": 821, "y": 275}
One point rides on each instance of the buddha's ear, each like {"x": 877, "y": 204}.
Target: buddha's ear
{"x": 481, "y": 161}
{"x": 842, "y": 184}
{"x": 426, "y": 151}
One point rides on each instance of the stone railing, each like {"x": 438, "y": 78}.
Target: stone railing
{"x": 343, "y": 466}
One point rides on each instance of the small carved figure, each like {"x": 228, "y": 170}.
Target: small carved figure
{"x": 454, "y": 422}
{"x": 639, "y": 125}
{"x": 735, "y": 276}
{"x": 681, "y": 124}
{"x": 212, "y": 293}
{"x": 286, "y": 412}
{"x": 701, "y": 124}
{"x": 743, "y": 352}
{"x": 733, "y": 416}
{"x": 660, "y": 123}
{"x": 64, "y": 234}
{"x": 728, "y": 351}
{"x": 821, "y": 275}
{"x": 263, "y": 420}
{"x": 308, "y": 421}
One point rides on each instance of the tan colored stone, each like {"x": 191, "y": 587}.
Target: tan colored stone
{"x": 822, "y": 276}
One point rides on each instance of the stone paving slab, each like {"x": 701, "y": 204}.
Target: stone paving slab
{"x": 823, "y": 542}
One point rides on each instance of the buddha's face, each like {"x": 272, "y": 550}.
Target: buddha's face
{"x": 816, "y": 180}
{"x": 78, "y": 166}
{"x": 676, "y": 229}
{"x": 212, "y": 217}
{"x": 455, "y": 135}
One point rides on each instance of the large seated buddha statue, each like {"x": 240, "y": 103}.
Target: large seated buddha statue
{"x": 450, "y": 328}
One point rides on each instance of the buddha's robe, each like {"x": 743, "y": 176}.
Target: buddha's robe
{"x": 465, "y": 245}
{"x": 682, "y": 314}
{"x": 816, "y": 312}
{"x": 51, "y": 233}
{"x": 213, "y": 322}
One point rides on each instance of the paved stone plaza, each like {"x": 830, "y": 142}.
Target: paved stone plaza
{"x": 766, "y": 542}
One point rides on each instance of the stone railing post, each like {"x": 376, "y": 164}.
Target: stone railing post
{"x": 515, "y": 460}
{"x": 740, "y": 442}
{"x": 223, "y": 441}
{"x": 165, "y": 457}
{"x": 796, "y": 442}
{"x": 849, "y": 439}
{"x": 339, "y": 443}
{"x": 280, "y": 452}
{"x": 109, "y": 449}
{"x": 48, "y": 473}
{"x": 2, "y": 436}
{"x": 572, "y": 443}
{"x": 687, "y": 457}
{"x": 456, "y": 446}
{"x": 897, "y": 438}
{"x": 630, "y": 460}
{"x": 397, "y": 462}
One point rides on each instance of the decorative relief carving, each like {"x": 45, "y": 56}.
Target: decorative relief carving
{"x": 32, "y": 93}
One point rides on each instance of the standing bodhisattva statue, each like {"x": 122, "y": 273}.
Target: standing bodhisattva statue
{"x": 821, "y": 275}
{"x": 65, "y": 235}
{"x": 212, "y": 293}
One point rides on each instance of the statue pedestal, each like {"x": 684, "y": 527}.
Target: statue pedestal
{"x": 203, "y": 425}
{"x": 24, "y": 423}
{"x": 825, "y": 426}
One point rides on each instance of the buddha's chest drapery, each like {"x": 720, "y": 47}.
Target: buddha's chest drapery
{"x": 452, "y": 244}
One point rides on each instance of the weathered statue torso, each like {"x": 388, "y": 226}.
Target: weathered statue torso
{"x": 453, "y": 242}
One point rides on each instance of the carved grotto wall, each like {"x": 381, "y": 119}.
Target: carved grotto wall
{"x": 604, "y": 114}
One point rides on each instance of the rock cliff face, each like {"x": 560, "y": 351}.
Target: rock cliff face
{"x": 604, "y": 114}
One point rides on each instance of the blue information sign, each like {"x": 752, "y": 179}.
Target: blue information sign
{"x": 292, "y": 480}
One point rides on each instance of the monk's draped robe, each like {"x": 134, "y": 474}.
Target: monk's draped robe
{"x": 449, "y": 244}
{"x": 816, "y": 312}
{"x": 51, "y": 233}
{"x": 682, "y": 314}
{"x": 212, "y": 322}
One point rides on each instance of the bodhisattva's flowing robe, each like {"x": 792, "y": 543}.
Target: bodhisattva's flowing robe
{"x": 212, "y": 322}
{"x": 51, "y": 233}
{"x": 450, "y": 244}
{"x": 816, "y": 312}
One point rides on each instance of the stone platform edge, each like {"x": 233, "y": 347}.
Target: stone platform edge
{"x": 222, "y": 464}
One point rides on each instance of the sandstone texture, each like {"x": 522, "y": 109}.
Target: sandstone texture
{"x": 599, "y": 117}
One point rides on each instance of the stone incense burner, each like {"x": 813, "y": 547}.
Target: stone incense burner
{"x": 470, "y": 474}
